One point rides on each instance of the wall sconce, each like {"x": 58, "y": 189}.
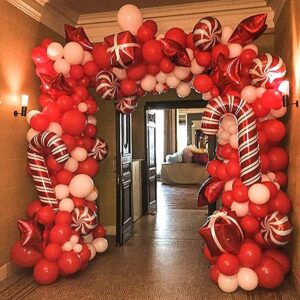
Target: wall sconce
{"x": 284, "y": 88}
{"x": 24, "y": 107}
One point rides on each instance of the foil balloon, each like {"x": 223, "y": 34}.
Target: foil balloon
{"x": 84, "y": 220}
{"x": 55, "y": 85}
{"x": 31, "y": 233}
{"x": 126, "y": 105}
{"x": 77, "y": 35}
{"x": 210, "y": 191}
{"x": 175, "y": 52}
{"x": 249, "y": 29}
{"x": 107, "y": 85}
{"x": 100, "y": 150}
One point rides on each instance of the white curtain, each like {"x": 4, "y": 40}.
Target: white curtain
{"x": 170, "y": 140}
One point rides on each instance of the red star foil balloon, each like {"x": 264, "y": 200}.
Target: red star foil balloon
{"x": 226, "y": 71}
{"x": 31, "y": 233}
{"x": 210, "y": 191}
{"x": 55, "y": 85}
{"x": 249, "y": 29}
{"x": 77, "y": 35}
{"x": 175, "y": 52}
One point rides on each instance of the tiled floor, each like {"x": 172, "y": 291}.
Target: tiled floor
{"x": 161, "y": 261}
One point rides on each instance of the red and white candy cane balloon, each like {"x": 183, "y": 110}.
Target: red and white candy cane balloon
{"x": 247, "y": 132}
{"x": 40, "y": 175}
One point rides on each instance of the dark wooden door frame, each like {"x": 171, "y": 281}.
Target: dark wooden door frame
{"x": 174, "y": 104}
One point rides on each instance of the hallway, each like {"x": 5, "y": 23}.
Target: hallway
{"x": 162, "y": 260}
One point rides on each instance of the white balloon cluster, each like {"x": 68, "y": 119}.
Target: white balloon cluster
{"x": 228, "y": 132}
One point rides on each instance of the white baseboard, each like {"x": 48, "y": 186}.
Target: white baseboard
{"x": 111, "y": 230}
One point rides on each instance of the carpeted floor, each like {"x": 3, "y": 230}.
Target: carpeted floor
{"x": 161, "y": 261}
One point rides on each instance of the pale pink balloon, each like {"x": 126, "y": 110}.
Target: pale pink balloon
{"x": 224, "y": 135}
{"x": 195, "y": 68}
{"x": 92, "y": 120}
{"x": 267, "y": 117}
{"x": 222, "y": 142}
{"x": 271, "y": 175}
{"x": 278, "y": 113}
{"x": 181, "y": 72}
{"x": 92, "y": 196}
{"x": 30, "y": 114}
{"x": 233, "y": 141}
{"x": 241, "y": 209}
{"x": 66, "y": 204}
{"x": 67, "y": 246}
{"x": 81, "y": 185}
{"x": 248, "y": 93}
{"x": 73, "y": 53}
{"x": 183, "y": 90}
{"x": 159, "y": 87}
{"x": 62, "y": 66}
{"x": 82, "y": 106}
{"x": 148, "y": 83}
{"x": 161, "y": 77}
{"x": 228, "y": 185}
{"x": 226, "y": 34}
{"x": 258, "y": 193}
{"x": 100, "y": 244}
{"x": 232, "y": 129}
{"x": 93, "y": 251}
{"x": 190, "y": 52}
{"x": 227, "y": 121}
{"x": 88, "y": 238}
{"x": 74, "y": 239}
{"x": 172, "y": 81}
{"x": 227, "y": 284}
{"x": 30, "y": 134}
{"x": 130, "y": 18}
{"x": 87, "y": 56}
{"x": 77, "y": 248}
{"x": 61, "y": 191}
{"x": 260, "y": 91}
{"x": 264, "y": 177}
{"x": 120, "y": 73}
{"x": 235, "y": 50}
{"x": 55, "y": 51}
{"x": 206, "y": 96}
{"x": 251, "y": 46}
{"x": 79, "y": 153}
{"x": 71, "y": 165}
{"x": 55, "y": 127}
{"x": 247, "y": 279}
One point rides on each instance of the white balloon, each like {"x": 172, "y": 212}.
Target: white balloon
{"x": 161, "y": 77}
{"x": 233, "y": 141}
{"x": 206, "y": 96}
{"x": 79, "y": 153}
{"x": 74, "y": 239}
{"x": 88, "y": 238}
{"x": 130, "y": 18}
{"x": 272, "y": 176}
{"x": 181, "y": 72}
{"x": 82, "y": 106}
{"x": 81, "y": 185}
{"x": 264, "y": 177}
{"x": 55, "y": 51}
{"x": 62, "y": 66}
{"x": 159, "y": 87}
{"x": 87, "y": 56}
{"x": 92, "y": 196}
{"x": 93, "y": 251}
{"x": 67, "y": 246}
{"x": 100, "y": 244}
{"x": 247, "y": 279}
{"x": 148, "y": 83}
{"x": 235, "y": 50}
{"x": 241, "y": 209}
{"x": 228, "y": 185}
{"x": 226, "y": 34}
{"x": 227, "y": 284}
{"x": 71, "y": 165}
{"x": 77, "y": 248}
{"x": 190, "y": 52}
{"x": 183, "y": 89}
{"x": 172, "y": 81}
{"x": 30, "y": 134}
{"x": 195, "y": 68}
{"x": 224, "y": 135}
{"x": 258, "y": 193}
{"x": 251, "y": 46}
{"x": 30, "y": 114}
{"x": 73, "y": 53}
{"x": 232, "y": 129}
{"x": 227, "y": 121}
{"x": 92, "y": 120}
{"x": 66, "y": 204}
{"x": 260, "y": 91}
{"x": 278, "y": 113}
{"x": 56, "y": 128}
{"x": 120, "y": 73}
{"x": 248, "y": 93}
{"x": 222, "y": 142}
{"x": 61, "y": 191}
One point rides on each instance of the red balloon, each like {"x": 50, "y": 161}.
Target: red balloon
{"x": 52, "y": 112}
{"x": 190, "y": 41}
{"x": 63, "y": 217}
{"x": 88, "y": 143}
{"x": 60, "y": 233}
{"x": 90, "y": 130}
{"x": 45, "y": 272}
{"x": 46, "y": 68}
{"x": 250, "y": 255}
{"x": 222, "y": 173}
{"x": 136, "y": 71}
{"x": 259, "y": 109}
{"x": 76, "y": 72}
{"x": 101, "y": 56}
{"x": 279, "y": 158}
{"x": 270, "y": 274}
{"x": 32, "y": 208}
{"x": 99, "y": 231}
{"x": 69, "y": 262}
{"x": 78, "y": 202}
{"x": 272, "y": 99}
{"x": 92, "y": 106}
{"x": 212, "y": 259}
{"x": 46, "y": 42}
{"x": 264, "y": 162}
{"x": 274, "y": 129}
{"x": 272, "y": 188}
{"x": 228, "y": 264}
{"x": 280, "y": 257}
{"x": 281, "y": 202}
{"x": 218, "y": 50}
{"x": 233, "y": 168}
{"x": 71, "y": 82}
{"x": 39, "y": 55}
{"x": 262, "y": 138}
{"x": 226, "y": 151}
{"x": 128, "y": 86}
{"x": 203, "y": 58}
{"x": 214, "y": 273}
{"x": 247, "y": 56}
{"x": 52, "y": 164}
{"x": 281, "y": 178}
{"x": 178, "y": 35}
{"x": 39, "y": 122}
{"x": 90, "y": 68}
{"x": 64, "y": 177}
{"x": 153, "y": 69}
{"x": 85, "y": 81}
{"x": 85, "y": 254}
{"x": 227, "y": 198}
{"x": 73, "y": 122}
{"x": 53, "y": 252}
{"x": 89, "y": 167}
{"x": 240, "y": 193}
{"x": 166, "y": 65}
{"x": 82, "y": 92}
{"x": 64, "y": 103}
{"x": 152, "y": 52}
{"x": 152, "y": 24}
{"x": 46, "y": 215}
{"x": 258, "y": 210}
{"x": 203, "y": 83}
{"x": 212, "y": 167}
{"x": 24, "y": 257}
{"x": 145, "y": 33}
{"x": 45, "y": 99}
{"x": 69, "y": 141}
{"x": 249, "y": 224}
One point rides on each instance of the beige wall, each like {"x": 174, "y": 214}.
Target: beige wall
{"x": 287, "y": 45}
{"x": 19, "y": 34}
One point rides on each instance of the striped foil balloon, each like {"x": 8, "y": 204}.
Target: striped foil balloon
{"x": 247, "y": 132}
{"x": 100, "y": 150}
{"x": 84, "y": 220}
{"x": 107, "y": 85}
{"x": 40, "y": 175}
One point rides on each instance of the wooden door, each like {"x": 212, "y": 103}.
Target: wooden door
{"x": 124, "y": 178}
{"x": 150, "y": 198}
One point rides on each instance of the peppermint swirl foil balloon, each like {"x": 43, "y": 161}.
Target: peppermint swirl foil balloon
{"x": 84, "y": 220}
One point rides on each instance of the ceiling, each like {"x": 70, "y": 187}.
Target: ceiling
{"x": 96, "y": 6}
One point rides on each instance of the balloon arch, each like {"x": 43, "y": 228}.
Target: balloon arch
{"x": 244, "y": 93}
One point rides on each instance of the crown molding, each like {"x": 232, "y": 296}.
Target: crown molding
{"x": 47, "y": 13}
{"x": 99, "y": 25}
{"x": 277, "y": 6}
